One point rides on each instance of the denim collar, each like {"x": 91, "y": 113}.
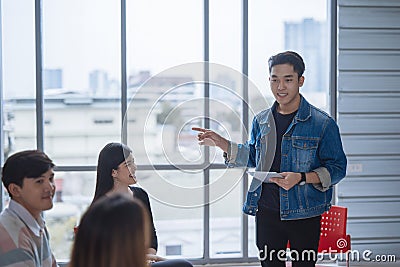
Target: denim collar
{"x": 304, "y": 112}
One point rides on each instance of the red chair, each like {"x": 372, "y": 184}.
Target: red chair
{"x": 334, "y": 239}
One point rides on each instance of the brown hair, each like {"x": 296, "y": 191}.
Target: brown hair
{"x": 114, "y": 231}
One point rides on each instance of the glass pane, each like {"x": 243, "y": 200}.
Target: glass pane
{"x": 165, "y": 96}
{"x": 253, "y": 250}
{"x": 81, "y": 78}
{"x": 226, "y": 107}
{"x": 177, "y": 199}
{"x": 18, "y": 75}
{"x": 161, "y": 113}
{"x": 303, "y": 29}
{"x": 226, "y": 33}
{"x": 163, "y": 34}
{"x": 226, "y": 80}
{"x": 226, "y": 213}
{"x": 74, "y": 193}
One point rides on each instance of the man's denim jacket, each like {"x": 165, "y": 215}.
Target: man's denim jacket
{"x": 311, "y": 143}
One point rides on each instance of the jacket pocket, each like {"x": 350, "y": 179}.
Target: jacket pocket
{"x": 309, "y": 197}
{"x": 304, "y": 151}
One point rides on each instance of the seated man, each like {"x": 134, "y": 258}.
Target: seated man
{"x": 24, "y": 241}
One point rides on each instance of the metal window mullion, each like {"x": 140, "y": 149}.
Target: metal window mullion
{"x": 124, "y": 85}
{"x": 159, "y": 167}
{"x": 333, "y": 58}
{"x": 1, "y": 106}
{"x": 333, "y": 26}
{"x": 39, "y": 77}
{"x": 245, "y": 118}
{"x": 206, "y": 172}
{"x": 77, "y": 168}
{"x": 227, "y": 261}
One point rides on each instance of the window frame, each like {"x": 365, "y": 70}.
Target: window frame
{"x": 332, "y": 19}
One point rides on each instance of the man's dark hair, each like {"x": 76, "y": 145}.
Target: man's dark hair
{"x": 25, "y": 164}
{"x": 288, "y": 57}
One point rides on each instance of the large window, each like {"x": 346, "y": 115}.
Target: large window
{"x": 81, "y": 63}
{"x": 144, "y": 73}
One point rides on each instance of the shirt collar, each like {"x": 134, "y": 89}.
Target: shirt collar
{"x": 35, "y": 226}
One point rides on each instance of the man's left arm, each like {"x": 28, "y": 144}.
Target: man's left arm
{"x": 332, "y": 157}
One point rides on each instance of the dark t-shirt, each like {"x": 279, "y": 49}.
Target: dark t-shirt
{"x": 270, "y": 191}
{"x": 139, "y": 193}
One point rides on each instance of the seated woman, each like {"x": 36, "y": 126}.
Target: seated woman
{"x": 114, "y": 231}
{"x": 115, "y": 174}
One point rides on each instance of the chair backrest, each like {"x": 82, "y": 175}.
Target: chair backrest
{"x": 333, "y": 230}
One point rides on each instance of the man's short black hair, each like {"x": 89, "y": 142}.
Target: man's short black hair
{"x": 288, "y": 57}
{"x": 25, "y": 164}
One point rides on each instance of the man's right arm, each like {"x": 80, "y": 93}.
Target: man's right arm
{"x": 207, "y": 137}
{"x": 236, "y": 155}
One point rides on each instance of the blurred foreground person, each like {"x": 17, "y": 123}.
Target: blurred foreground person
{"x": 114, "y": 231}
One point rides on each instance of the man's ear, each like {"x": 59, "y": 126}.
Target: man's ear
{"x": 301, "y": 81}
{"x": 14, "y": 189}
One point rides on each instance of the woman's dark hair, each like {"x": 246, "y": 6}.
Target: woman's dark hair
{"x": 288, "y": 57}
{"x": 112, "y": 155}
{"x": 25, "y": 164}
{"x": 114, "y": 231}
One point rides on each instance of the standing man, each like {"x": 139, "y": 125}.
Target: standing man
{"x": 24, "y": 240}
{"x": 303, "y": 144}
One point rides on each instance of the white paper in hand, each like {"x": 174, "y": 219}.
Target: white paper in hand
{"x": 264, "y": 176}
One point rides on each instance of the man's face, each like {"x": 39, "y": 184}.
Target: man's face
{"x": 285, "y": 84}
{"x": 36, "y": 194}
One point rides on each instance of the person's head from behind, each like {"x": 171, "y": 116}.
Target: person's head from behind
{"x": 115, "y": 164}
{"x": 114, "y": 231}
{"x": 29, "y": 179}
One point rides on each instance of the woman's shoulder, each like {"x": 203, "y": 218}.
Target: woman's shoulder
{"x": 138, "y": 192}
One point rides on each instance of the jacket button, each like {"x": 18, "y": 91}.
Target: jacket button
{"x": 250, "y": 211}
{"x": 255, "y": 194}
